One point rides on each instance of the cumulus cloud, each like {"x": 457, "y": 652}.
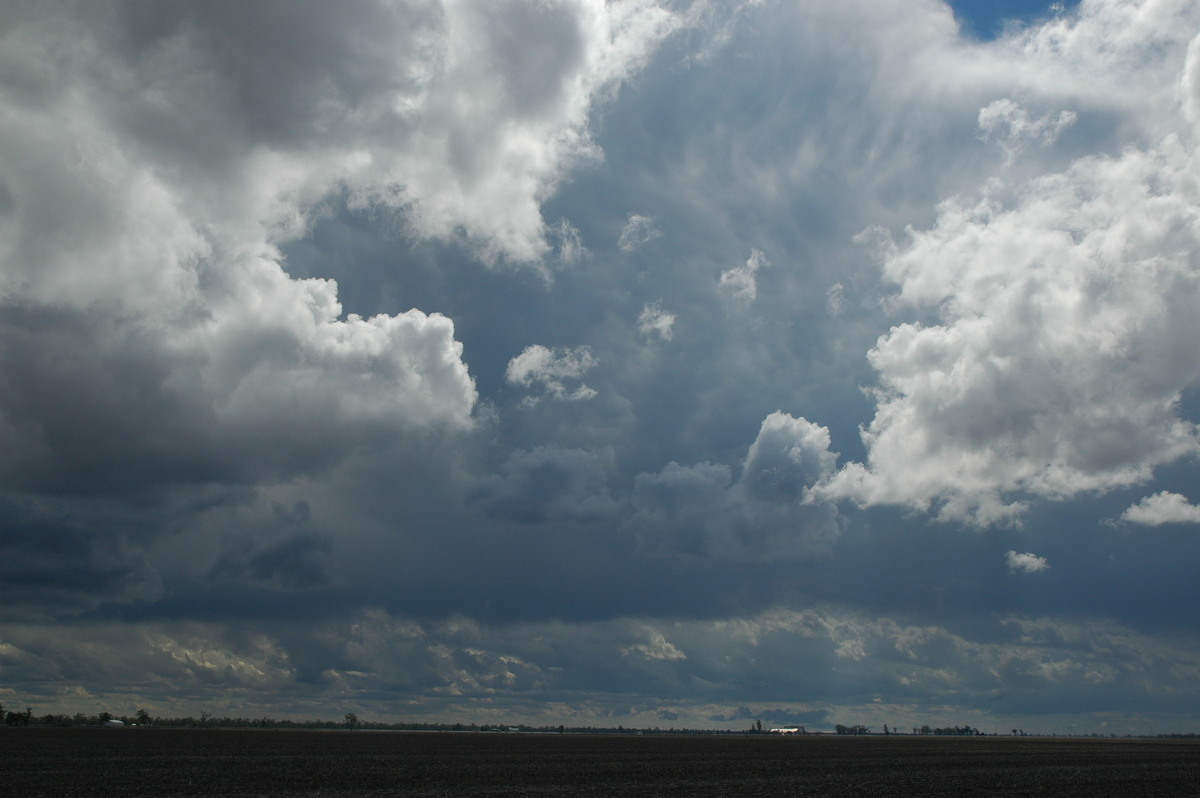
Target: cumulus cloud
{"x": 1051, "y": 359}
{"x": 653, "y": 321}
{"x": 550, "y": 370}
{"x": 638, "y": 231}
{"x": 741, "y": 282}
{"x": 1163, "y": 507}
{"x": 769, "y": 511}
{"x": 1025, "y": 563}
{"x": 153, "y": 251}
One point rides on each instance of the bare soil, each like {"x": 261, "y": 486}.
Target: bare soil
{"x": 150, "y": 761}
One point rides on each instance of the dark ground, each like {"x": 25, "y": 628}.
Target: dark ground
{"x": 149, "y": 761}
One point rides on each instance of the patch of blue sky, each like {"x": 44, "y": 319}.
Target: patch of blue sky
{"x": 987, "y": 19}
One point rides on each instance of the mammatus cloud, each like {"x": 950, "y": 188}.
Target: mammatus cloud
{"x": 1163, "y": 507}
{"x": 550, "y": 370}
{"x": 1025, "y": 563}
{"x": 653, "y": 321}
{"x": 640, "y": 230}
{"x": 741, "y": 282}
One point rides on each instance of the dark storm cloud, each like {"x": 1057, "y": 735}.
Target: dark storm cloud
{"x": 548, "y": 484}
{"x": 293, "y": 555}
{"x": 52, "y": 564}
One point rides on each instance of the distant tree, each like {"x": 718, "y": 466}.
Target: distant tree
{"x": 885, "y": 729}
{"x": 856, "y": 729}
{"x": 758, "y": 726}
{"x": 351, "y": 720}
{"x": 143, "y": 717}
{"x": 104, "y": 717}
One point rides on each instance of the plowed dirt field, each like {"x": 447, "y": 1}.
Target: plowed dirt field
{"x": 149, "y": 761}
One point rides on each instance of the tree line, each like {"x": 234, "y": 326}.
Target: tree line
{"x": 960, "y": 731}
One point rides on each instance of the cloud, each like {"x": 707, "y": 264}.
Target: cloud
{"x": 456, "y": 670}
{"x": 270, "y": 278}
{"x": 290, "y": 553}
{"x": 654, "y": 321}
{"x": 638, "y": 231}
{"x": 568, "y": 243}
{"x": 1035, "y": 304}
{"x": 1026, "y": 563}
{"x": 548, "y": 483}
{"x": 1163, "y": 507}
{"x": 658, "y": 648}
{"x": 53, "y": 565}
{"x": 702, "y": 513}
{"x": 549, "y": 369}
{"x": 1010, "y": 124}
{"x": 741, "y": 282}
{"x": 835, "y": 297}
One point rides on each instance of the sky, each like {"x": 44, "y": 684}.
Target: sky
{"x": 654, "y": 363}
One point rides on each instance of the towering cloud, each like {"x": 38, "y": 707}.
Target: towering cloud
{"x": 1051, "y": 358}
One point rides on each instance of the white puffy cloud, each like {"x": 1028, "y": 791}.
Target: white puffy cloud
{"x": 550, "y": 370}
{"x": 638, "y": 230}
{"x": 161, "y": 154}
{"x": 1163, "y": 507}
{"x": 1025, "y": 563}
{"x": 1058, "y": 358}
{"x": 1051, "y": 356}
{"x": 741, "y": 282}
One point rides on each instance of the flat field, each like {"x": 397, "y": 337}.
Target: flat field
{"x": 150, "y": 761}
